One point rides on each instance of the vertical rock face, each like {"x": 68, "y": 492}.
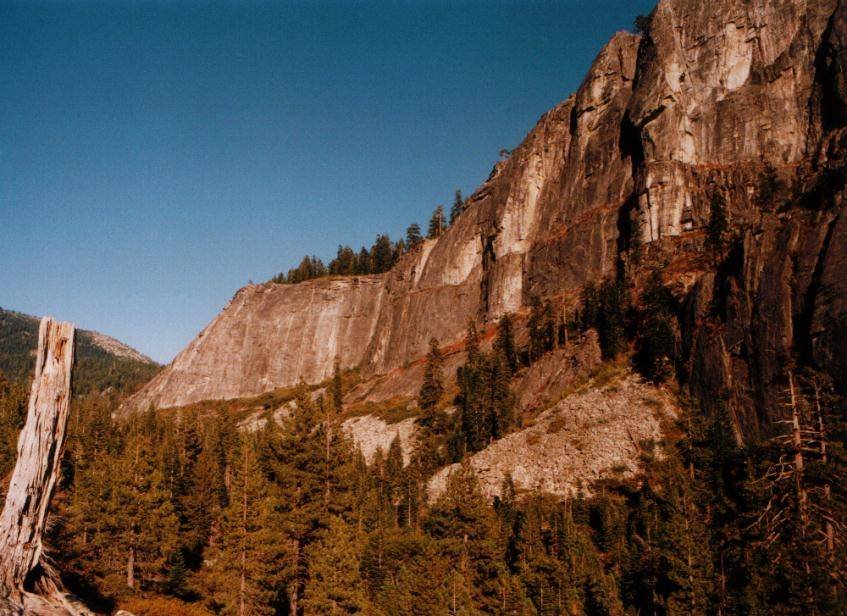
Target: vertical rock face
{"x": 721, "y": 84}
{"x": 270, "y": 336}
{"x": 569, "y": 168}
{"x": 616, "y": 178}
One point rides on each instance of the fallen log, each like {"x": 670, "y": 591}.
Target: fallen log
{"x": 27, "y": 583}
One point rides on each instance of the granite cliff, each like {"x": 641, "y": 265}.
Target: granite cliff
{"x": 616, "y": 180}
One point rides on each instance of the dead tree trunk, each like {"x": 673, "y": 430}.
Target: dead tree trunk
{"x": 40, "y": 446}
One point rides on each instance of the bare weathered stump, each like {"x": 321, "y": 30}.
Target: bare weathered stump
{"x": 40, "y": 446}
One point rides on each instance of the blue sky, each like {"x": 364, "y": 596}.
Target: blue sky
{"x": 156, "y": 156}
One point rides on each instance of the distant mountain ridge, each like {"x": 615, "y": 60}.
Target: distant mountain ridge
{"x": 102, "y": 362}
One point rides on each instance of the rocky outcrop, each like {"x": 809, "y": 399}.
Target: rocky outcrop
{"x": 371, "y": 435}
{"x": 617, "y": 179}
{"x": 598, "y": 432}
{"x": 272, "y": 336}
{"x": 553, "y": 375}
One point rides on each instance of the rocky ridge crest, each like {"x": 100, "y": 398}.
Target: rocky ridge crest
{"x": 616, "y": 180}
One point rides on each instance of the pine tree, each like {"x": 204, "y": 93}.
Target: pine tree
{"x": 86, "y": 531}
{"x": 498, "y": 396}
{"x": 245, "y": 575}
{"x": 145, "y": 524}
{"x": 337, "y": 387}
{"x": 194, "y": 490}
{"x": 406, "y": 574}
{"x": 485, "y": 400}
{"x": 656, "y": 339}
{"x": 474, "y": 421}
{"x": 344, "y": 263}
{"x": 466, "y": 528}
{"x": 364, "y": 262}
{"x": 770, "y": 187}
{"x": 413, "y": 236}
{"x": 433, "y": 380}
{"x": 718, "y": 225}
{"x": 437, "y": 223}
{"x": 399, "y": 251}
{"x": 311, "y": 467}
{"x": 458, "y": 206}
{"x": 799, "y": 508}
{"x": 670, "y": 562}
{"x": 472, "y": 349}
{"x": 611, "y": 317}
{"x": 590, "y": 306}
{"x": 541, "y": 328}
{"x": 177, "y": 575}
{"x": 335, "y": 585}
{"x": 382, "y": 255}
{"x": 505, "y": 343}
{"x": 393, "y": 480}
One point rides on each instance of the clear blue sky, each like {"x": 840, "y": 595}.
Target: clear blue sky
{"x": 156, "y": 156}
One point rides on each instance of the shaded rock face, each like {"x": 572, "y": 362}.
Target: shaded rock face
{"x": 554, "y": 375}
{"x": 617, "y": 178}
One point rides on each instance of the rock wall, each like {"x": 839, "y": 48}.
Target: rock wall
{"x": 625, "y": 167}
{"x": 595, "y": 433}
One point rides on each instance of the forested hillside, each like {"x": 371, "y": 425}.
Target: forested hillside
{"x": 182, "y": 513}
{"x": 101, "y": 362}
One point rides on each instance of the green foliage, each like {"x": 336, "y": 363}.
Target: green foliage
{"x": 413, "y": 236}
{"x": 437, "y": 223}
{"x": 718, "y": 224}
{"x": 94, "y": 370}
{"x": 345, "y": 263}
{"x": 485, "y": 400}
{"x": 800, "y": 503}
{"x": 335, "y": 584}
{"x": 458, "y": 206}
{"x": 542, "y": 328}
{"x": 244, "y": 576}
{"x": 292, "y": 520}
{"x": 656, "y": 338}
{"x": 607, "y": 309}
{"x": 590, "y": 306}
{"x": 13, "y": 402}
{"x": 177, "y": 576}
{"x": 609, "y": 315}
{"x": 505, "y": 343}
{"x": 669, "y": 565}
{"x": 466, "y": 529}
{"x": 433, "y": 381}
{"x": 381, "y": 257}
{"x": 337, "y": 387}
{"x": 309, "y": 268}
{"x": 559, "y": 565}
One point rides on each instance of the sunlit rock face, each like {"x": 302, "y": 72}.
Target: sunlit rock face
{"x": 597, "y": 432}
{"x": 617, "y": 178}
{"x": 721, "y": 83}
{"x": 270, "y": 336}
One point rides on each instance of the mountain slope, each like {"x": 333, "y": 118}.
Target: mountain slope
{"x": 101, "y": 361}
{"x": 737, "y": 102}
